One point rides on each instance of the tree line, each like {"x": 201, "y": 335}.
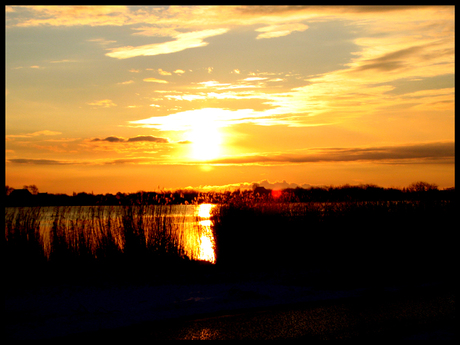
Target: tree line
{"x": 29, "y": 195}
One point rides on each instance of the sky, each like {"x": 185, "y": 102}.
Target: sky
{"x": 108, "y": 99}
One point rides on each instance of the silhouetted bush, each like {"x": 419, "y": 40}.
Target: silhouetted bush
{"x": 356, "y": 240}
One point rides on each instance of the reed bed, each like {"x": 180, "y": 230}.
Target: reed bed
{"x": 354, "y": 240}
{"x": 88, "y": 234}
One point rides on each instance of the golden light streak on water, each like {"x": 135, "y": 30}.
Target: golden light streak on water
{"x": 189, "y": 226}
{"x": 206, "y": 247}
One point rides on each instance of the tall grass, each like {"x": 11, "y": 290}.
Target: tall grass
{"x": 75, "y": 235}
{"x": 366, "y": 240}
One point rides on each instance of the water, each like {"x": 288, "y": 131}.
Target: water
{"x": 187, "y": 227}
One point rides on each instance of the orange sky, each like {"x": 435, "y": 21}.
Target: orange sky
{"x": 112, "y": 98}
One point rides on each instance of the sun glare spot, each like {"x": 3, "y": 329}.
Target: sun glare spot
{"x": 206, "y": 250}
{"x": 204, "y": 210}
{"x": 205, "y": 136}
{"x": 276, "y": 193}
{"x": 206, "y": 168}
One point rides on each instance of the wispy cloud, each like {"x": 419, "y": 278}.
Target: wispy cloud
{"x": 182, "y": 41}
{"x": 70, "y": 15}
{"x": 419, "y": 153}
{"x": 155, "y": 80}
{"x": 162, "y": 72}
{"x": 126, "y": 82}
{"x": 34, "y": 134}
{"x": 104, "y": 103}
{"x": 280, "y": 30}
{"x": 33, "y": 161}
{"x": 185, "y": 120}
{"x": 63, "y": 61}
{"x": 45, "y": 132}
{"x": 439, "y": 152}
{"x": 101, "y": 41}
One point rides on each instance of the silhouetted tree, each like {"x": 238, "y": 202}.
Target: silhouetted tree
{"x": 8, "y": 190}
{"x": 32, "y": 188}
{"x": 421, "y": 186}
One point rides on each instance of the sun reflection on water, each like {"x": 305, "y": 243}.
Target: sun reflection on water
{"x": 206, "y": 246}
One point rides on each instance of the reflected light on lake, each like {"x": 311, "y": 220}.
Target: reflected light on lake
{"x": 96, "y": 229}
{"x": 206, "y": 242}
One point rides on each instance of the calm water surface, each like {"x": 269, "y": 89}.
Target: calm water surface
{"x": 190, "y": 225}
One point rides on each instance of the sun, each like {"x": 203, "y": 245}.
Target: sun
{"x": 205, "y": 137}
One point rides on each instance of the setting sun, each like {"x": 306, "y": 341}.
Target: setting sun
{"x": 205, "y": 137}
{"x": 207, "y": 158}
{"x": 191, "y": 96}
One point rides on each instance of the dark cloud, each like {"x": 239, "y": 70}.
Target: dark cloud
{"x": 110, "y": 139}
{"x": 280, "y": 185}
{"x": 127, "y": 161}
{"x": 148, "y": 138}
{"x": 382, "y": 8}
{"x": 390, "y": 61}
{"x": 37, "y": 161}
{"x": 438, "y": 151}
{"x": 184, "y": 142}
{"x": 56, "y": 162}
{"x": 434, "y": 152}
{"x": 400, "y": 58}
{"x": 326, "y": 10}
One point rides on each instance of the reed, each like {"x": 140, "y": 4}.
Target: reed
{"x": 365, "y": 240}
{"x": 359, "y": 240}
{"x": 73, "y": 235}
{"x": 22, "y": 236}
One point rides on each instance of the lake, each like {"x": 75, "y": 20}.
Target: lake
{"x": 187, "y": 227}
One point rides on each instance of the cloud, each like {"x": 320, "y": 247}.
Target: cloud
{"x": 101, "y": 41}
{"x": 164, "y": 72}
{"x": 34, "y": 134}
{"x": 248, "y": 186}
{"x": 280, "y": 185}
{"x": 71, "y": 15}
{"x": 104, "y": 103}
{"x": 127, "y": 161}
{"x": 164, "y": 21}
{"x": 126, "y": 82}
{"x": 141, "y": 138}
{"x": 28, "y": 161}
{"x": 179, "y": 71}
{"x": 37, "y": 161}
{"x": 45, "y": 132}
{"x": 63, "y": 61}
{"x": 188, "y": 119}
{"x": 110, "y": 139}
{"x": 148, "y": 138}
{"x": 154, "y": 80}
{"x": 220, "y": 117}
{"x": 400, "y": 58}
{"x": 433, "y": 152}
{"x": 182, "y": 41}
{"x": 280, "y": 30}
{"x": 254, "y": 78}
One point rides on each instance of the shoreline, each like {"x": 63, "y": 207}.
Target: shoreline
{"x": 131, "y": 309}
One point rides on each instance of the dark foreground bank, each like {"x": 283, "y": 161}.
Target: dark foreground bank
{"x": 421, "y": 313}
